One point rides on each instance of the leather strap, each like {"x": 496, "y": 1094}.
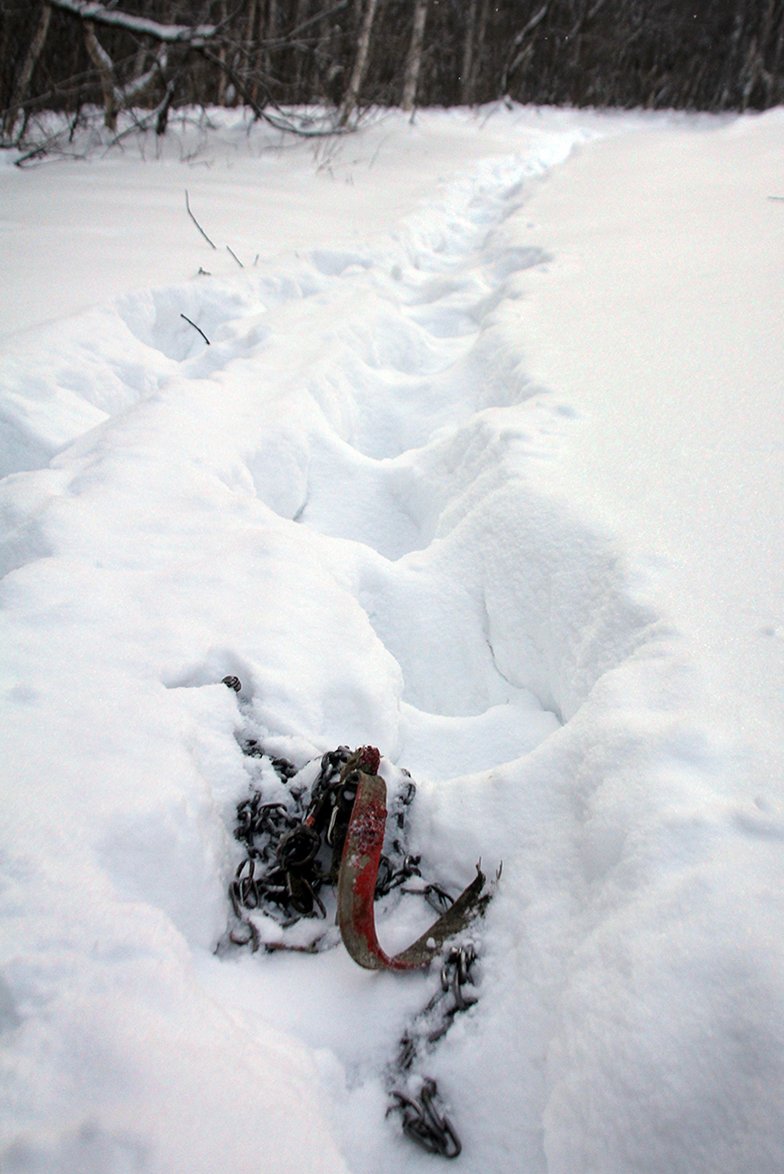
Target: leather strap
{"x": 357, "y": 886}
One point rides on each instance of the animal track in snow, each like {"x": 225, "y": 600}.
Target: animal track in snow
{"x": 379, "y": 401}
{"x": 417, "y": 368}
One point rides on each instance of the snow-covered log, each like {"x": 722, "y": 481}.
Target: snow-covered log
{"x": 174, "y": 33}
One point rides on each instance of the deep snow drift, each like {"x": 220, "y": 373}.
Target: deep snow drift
{"x": 482, "y": 464}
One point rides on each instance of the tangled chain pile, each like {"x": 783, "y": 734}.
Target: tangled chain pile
{"x": 293, "y": 828}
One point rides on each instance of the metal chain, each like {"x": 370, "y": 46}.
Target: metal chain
{"x": 416, "y": 1098}
{"x": 425, "y": 1123}
{"x": 293, "y": 849}
{"x": 281, "y": 874}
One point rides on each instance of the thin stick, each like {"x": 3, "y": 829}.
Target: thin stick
{"x": 195, "y": 221}
{"x": 234, "y": 255}
{"x": 195, "y": 327}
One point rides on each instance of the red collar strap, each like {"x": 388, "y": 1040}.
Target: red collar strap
{"x": 357, "y": 883}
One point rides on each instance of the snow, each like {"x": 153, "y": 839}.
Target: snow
{"x": 482, "y": 465}
{"x": 712, "y": 460}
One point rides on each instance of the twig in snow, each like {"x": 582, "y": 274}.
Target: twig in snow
{"x": 234, "y": 255}
{"x": 195, "y": 327}
{"x": 195, "y": 221}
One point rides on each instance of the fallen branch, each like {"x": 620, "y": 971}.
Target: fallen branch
{"x": 179, "y": 34}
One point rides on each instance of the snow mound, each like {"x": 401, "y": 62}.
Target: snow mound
{"x": 345, "y": 492}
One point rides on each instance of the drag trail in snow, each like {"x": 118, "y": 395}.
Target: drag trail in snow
{"x": 347, "y": 500}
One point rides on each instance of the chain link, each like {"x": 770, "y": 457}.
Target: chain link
{"x": 424, "y": 1121}
{"x": 422, "y": 1115}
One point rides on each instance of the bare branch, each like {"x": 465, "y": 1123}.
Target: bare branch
{"x": 291, "y": 36}
{"x": 522, "y": 54}
{"x": 195, "y": 327}
{"x": 195, "y": 221}
{"x": 137, "y": 86}
{"x": 173, "y": 33}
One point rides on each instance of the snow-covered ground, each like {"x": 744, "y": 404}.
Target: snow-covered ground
{"x": 482, "y": 465}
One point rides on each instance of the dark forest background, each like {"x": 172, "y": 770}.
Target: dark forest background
{"x": 271, "y": 55}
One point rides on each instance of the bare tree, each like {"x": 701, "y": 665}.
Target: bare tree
{"x": 414, "y": 58}
{"x": 271, "y": 56}
{"x": 467, "y": 67}
{"x": 351, "y": 96}
{"x": 522, "y": 50}
{"x": 26, "y": 72}
{"x": 105, "y": 67}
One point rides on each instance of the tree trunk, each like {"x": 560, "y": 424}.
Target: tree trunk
{"x": 222, "y": 56}
{"x": 162, "y": 119}
{"x": 521, "y": 52}
{"x": 414, "y": 59}
{"x": 271, "y": 33}
{"x": 298, "y": 59}
{"x": 26, "y": 72}
{"x": 250, "y": 24}
{"x": 467, "y": 66}
{"x": 351, "y": 96}
{"x": 255, "y": 34}
{"x": 473, "y": 49}
{"x": 105, "y": 66}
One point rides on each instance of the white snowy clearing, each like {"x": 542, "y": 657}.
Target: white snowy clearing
{"x": 483, "y": 465}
